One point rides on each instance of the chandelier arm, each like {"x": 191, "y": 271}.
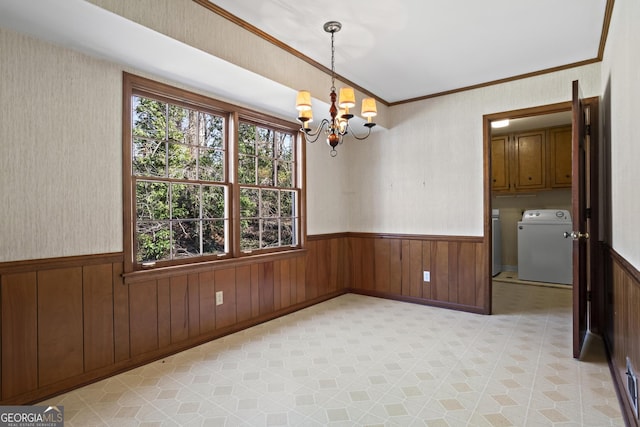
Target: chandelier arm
{"x": 312, "y": 136}
{"x": 359, "y": 138}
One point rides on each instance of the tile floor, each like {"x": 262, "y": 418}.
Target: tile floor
{"x": 357, "y": 360}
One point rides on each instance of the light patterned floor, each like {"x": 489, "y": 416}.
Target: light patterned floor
{"x": 358, "y": 360}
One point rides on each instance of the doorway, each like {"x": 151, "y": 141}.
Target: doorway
{"x": 548, "y": 193}
{"x": 530, "y": 170}
{"x": 519, "y": 120}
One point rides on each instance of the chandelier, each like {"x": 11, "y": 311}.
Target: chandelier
{"x": 338, "y": 126}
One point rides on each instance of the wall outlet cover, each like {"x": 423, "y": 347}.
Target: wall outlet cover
{"x": 219, "y": 298}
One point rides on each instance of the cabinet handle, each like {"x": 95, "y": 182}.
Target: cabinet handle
{"x": 529, "y": 178}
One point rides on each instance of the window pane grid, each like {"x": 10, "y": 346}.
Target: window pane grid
{"x": 268, "y": 218}
{"x": 268, "y": 212}
{"x": 180, "y": 220}
{"x": 191, "y": 142}
{"x": 178, "y": 154}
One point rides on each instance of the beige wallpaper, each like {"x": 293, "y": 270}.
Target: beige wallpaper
{"x": 425, "y": 174}
{"x": 620, "y": 82}
{"x": 60, "y": 152}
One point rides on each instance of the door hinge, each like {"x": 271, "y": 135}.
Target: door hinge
{"x": 588, "y": 295}
{"x": 587, "y": 213}
{"x": 587, "y": 130}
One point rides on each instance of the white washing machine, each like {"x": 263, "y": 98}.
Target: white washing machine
{"x": 544, "y": 254}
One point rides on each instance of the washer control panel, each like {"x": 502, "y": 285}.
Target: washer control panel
{"x": 536, "y": 215}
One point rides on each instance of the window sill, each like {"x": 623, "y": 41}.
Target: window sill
{"x": 163, "y": 272}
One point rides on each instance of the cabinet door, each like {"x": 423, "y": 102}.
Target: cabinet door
{"x": 560, "y": 157}
{"x": 500, "y": 163}
{"x": 530, "y": 162}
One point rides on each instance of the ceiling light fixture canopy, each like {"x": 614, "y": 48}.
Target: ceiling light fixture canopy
{"x": 338, "y": 126}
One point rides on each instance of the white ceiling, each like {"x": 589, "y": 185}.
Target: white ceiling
{"x": 405, "y": 49}
{"x": 397, "y": 50}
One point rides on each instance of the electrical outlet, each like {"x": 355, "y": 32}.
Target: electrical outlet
{"x": 632, "y": 387}
{"x": 219, "y": 298}
{"x": 426, "y": 276}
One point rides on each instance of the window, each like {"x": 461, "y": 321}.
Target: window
{"x": 198, "y": 188}
{"x": 268, "y": 208}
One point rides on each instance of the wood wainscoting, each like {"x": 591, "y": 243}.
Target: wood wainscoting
{"x": 392, "y": 266}
{"x": 67, "y": 322}
{"x": 622, "y": 334}
{"x": 70, "y": 321}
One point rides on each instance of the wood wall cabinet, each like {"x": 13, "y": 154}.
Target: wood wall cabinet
{"x": 530, "y": 154}
{"x": 531, "y": 161}
{"x": 560, "y": 157}
{"x": 500, "y": 180}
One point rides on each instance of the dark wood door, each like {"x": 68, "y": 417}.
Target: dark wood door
{"x": 580, "y": 235}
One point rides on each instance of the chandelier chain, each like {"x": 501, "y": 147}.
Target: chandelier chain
{"x": 333, "y": 53}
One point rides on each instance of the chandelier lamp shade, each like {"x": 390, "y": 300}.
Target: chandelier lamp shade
{"x": 337, "y": 126}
